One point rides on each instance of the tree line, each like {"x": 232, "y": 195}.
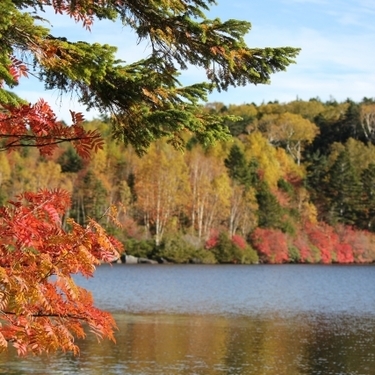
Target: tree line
{"x": 296, "y": 183}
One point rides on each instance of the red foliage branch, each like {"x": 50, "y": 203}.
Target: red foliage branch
{"x": 79, "y": 10}
{"x": 17, "y": 69}
{"x": 36, "y": 126}
{"x": 41, "y": 308}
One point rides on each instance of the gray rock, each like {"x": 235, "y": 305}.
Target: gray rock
{"x": 130, "y": 259}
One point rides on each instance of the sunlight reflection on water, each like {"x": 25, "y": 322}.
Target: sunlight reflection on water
{"x": 268, "y": 320}
{"x": 286, "y": 289}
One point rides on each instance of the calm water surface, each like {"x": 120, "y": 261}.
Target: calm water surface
{"x": 264, "y": 320}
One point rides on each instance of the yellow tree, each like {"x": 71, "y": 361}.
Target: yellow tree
{"x": 307, "y": 109}
{"x": 258, "y": 148}
{"x": 31, "y": 172}
{"x": 293, "y": 132}
{"x": 210, "y": 189}
{"x": 161, "y": 187}
{"x": 243, "y": 208}
{"x": 266, "y": 125}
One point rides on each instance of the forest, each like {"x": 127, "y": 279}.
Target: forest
{"x": 61, "y": 215}
{"x": 294, "y": 184}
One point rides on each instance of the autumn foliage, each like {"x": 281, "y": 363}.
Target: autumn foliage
{"x": 271, "y": 245}
{"x": 230, "y": 250}
{"x": 314, "y": 243}
{"x": 42, "y": 309}
{"x": 36, "y": 125}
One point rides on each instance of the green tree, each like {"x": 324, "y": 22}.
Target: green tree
{"x": 368, "y": 204}
{"x": 236, "y": 164}
{"x": 247, "y": 121}
{"x": 270, "y": 213}
{"x": 337, "y": 123}
{"x": 90, "y": 198}
{"x": 344, "y": 190}
{"x": 70, "y": 161}
{"x": 244, "y": 178}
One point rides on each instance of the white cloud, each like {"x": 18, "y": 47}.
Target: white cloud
{"x": 336, "y": 38}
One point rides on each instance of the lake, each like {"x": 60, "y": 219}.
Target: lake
{"x": 225, "y": 319}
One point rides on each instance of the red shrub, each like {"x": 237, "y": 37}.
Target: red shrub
{"x": 301, "y": 242}
{"x": 361, "y": 242}
{"x": 323, "y": 237}
{"x": 271, "y": 245}
{"x": 239, "y": 241}
{"x": 213, "y": 240}
{"x": 344, "y": 253}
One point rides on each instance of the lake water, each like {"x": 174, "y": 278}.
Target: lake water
{"x": 232, "y": 320}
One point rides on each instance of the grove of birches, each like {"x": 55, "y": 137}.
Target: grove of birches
{"x": 295, "y": 183}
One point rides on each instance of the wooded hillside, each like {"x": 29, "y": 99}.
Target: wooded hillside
{"x": 295, "y": 184}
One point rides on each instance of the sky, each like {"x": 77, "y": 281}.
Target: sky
{"x": 337, "y": 60}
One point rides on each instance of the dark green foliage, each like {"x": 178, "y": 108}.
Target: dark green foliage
{"x": 236, "y": 164}
{"x": 343, "y": 191}
{"x": 350, "y": 123}
{"x": 322, "y": 141}
{"x": 252, "y": 174}
{"x": 336, "y": 130}
{"x": 140, "y": 248}
{"x": 241, "y": 171}
{"x": 177, "y": 250}
{"x": 286, "y": 187}
{"x": 70, "y": 161}
{"x": 294, "y": 254}
{"x": 316, "y": 181}
{"x": 90, "y": 199}
{"x": 239, "y": 126}
{"x": 226, "y": 251}
{"x": 269, "y": 212}
{"x": 367, "y": 213}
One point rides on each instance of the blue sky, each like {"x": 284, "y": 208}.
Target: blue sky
{"x": 337, "y": 60}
